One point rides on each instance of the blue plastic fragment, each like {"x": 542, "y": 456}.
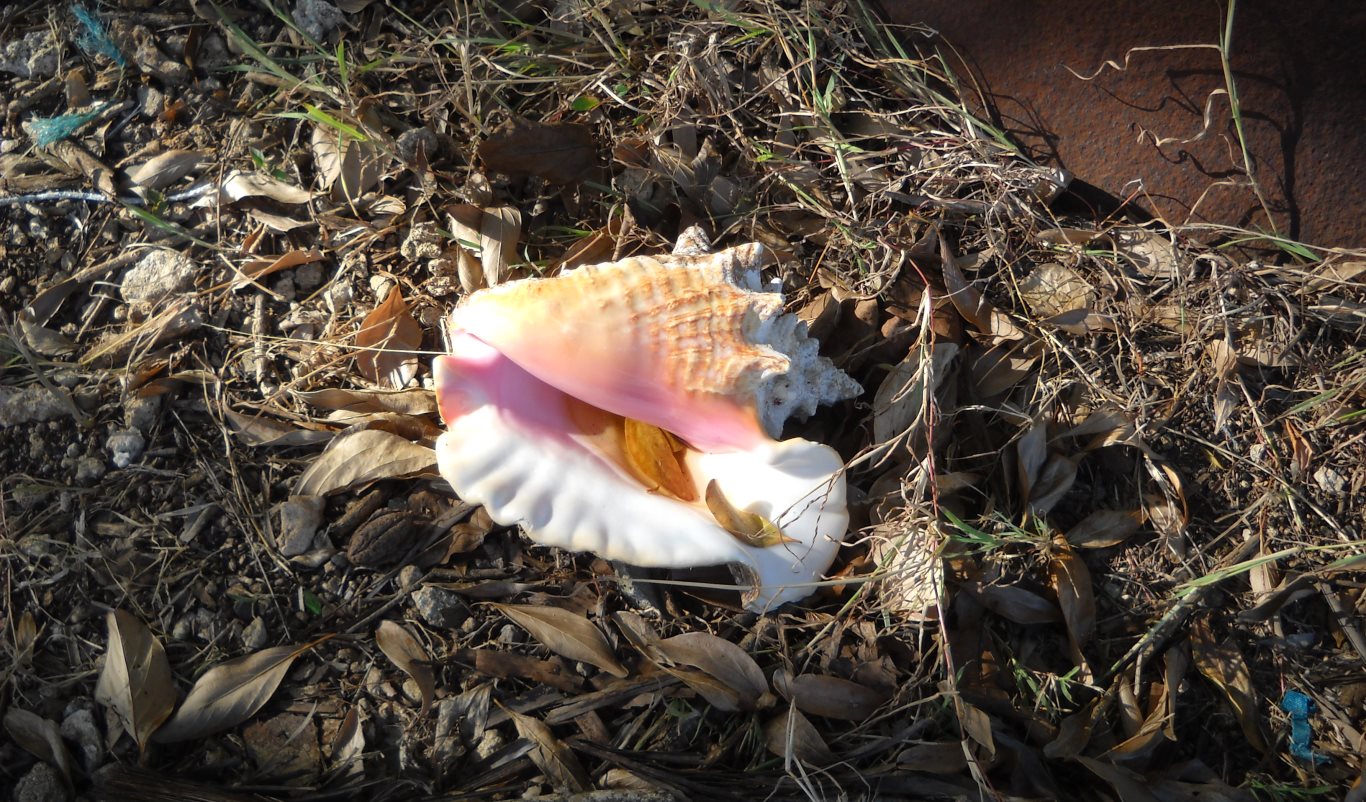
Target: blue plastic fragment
{"x": 94, "y": 37}
{"x": 47, "y": 130}
{"x": 1300, "y": 707}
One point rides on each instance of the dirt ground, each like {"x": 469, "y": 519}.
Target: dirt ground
{"x": 1106, "y": 481}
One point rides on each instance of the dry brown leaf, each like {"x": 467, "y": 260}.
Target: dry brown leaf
{"x": 723, "y": 660}
{"x": 259, "y": 431}
{"x": 1223, "y": 664}
{"x": 494, "y": 231}
{"x": 387, "y": 343}
{"x": 969, "y": 302}
{"x": 717, "y": 693}
{"x": 561, "y": 153}
{"x": 900, "y": 404}
{"x": 976, "y": 725}
{"x": 1031, "y": 452}
{"x": 1301, "y": 452}
{"x": 239, "y": 185}
{"x": 230, "y": 693}
{"x": 165, "y": 169}
{"x": 594, "y": 248}
{"x": 1015, "y": 604}
{"x": 829, "y": 697}
{"x": 1105, "y": 528}
{"x": 413, "y": 401}
{"x": 655, "y": 457}
{"x": 1074, "y": 733}
{"x": 638, "y": 631}
{"x": 135, "y": 681}
{"x": 1071, "y": 581}
{"x": 260, "y": 268}
{"x": 1001, "y": 368}
{"x": 41, "y": 738}
{"x": 361, "y": 456}
{"x": 348, "y": 747}
{"x": 565, "y": 633}
{"x": 1057, "y": 477}
{"x": 791, "y": 737}
{"x": 406, "y": 652}
{"x": 1130, "y": 786}
{"x": 934, "y": 757}
{"x": 555, "y": 760}
{"x": 1226, "y": 396}
{"x": 347, "y": 166}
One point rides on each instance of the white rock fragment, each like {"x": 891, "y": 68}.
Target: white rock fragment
{"x": 158, "y": 275}
{"x": 317, "y": 18}
{"x": 254, "y": 635}
{"x": 300, "y": 517}
{"x": 30, "y": 404}
{"x": 125, "y": 447}
{"x": 1330, "y": 481}
{"x": 33, "y": 57}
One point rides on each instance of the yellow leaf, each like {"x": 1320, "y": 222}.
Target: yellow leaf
{"x": 749, "y": 528}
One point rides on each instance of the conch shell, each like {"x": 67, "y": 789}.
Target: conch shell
{"x": 544, "y": 378}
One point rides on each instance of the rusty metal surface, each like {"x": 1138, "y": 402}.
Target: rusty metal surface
{"x": 1142, "y": 132}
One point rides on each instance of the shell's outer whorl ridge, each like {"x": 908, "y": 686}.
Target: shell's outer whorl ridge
{"x": 686, "y": 343}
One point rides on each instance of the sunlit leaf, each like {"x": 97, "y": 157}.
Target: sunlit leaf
{"x": 135, "y": 681}
{"x": 361, "y": 456}
{"x": 387, "y": 343}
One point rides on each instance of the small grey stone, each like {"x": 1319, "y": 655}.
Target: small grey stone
{"x": 125, "y": 447}
{"x": 410, "y": 141}
{"x": 79, "y": 728}
{"x": 141, "y": 413}
{"x": 183, "y": 628}
{"x": 89, "y": 470}
{"x": 317, "y": 18}
{"x": 299, "y": 520}
{"x": 42, "y": 784}
{"x": 308, "y": 276}
{"x": 254, "y": 635}
{"x": 440, "y": 607}
{"x": 159, "y": 274}
{"x": 151, "y": 102}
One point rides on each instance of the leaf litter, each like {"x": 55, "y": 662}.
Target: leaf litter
{"x": 1086, "y": 440}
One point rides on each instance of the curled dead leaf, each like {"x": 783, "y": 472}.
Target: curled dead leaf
{"x": 230, "y": 693}
{"x": 135, "y": 681}
{"x": 655, "y": 457}
{"x": 829, "y": 697}
{"x": 165, "y": 169}
{"x": 790, "y": 736}
{"x": 494, "y": 231}
{"x": 1222, "y": 663}
{"x": 749, "y": 528}
{"x": 723, "y": 661}
{"x": 565, "y": 633}
{"x": 555, "y": 760}
{"x": 406, "y": 652}
{"x": 41, "y": 738}
{"x": 360, "y": 456}
{"x": 561, "y": 153}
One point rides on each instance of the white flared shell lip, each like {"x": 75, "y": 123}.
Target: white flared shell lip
{"x": 506, "y": 448}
